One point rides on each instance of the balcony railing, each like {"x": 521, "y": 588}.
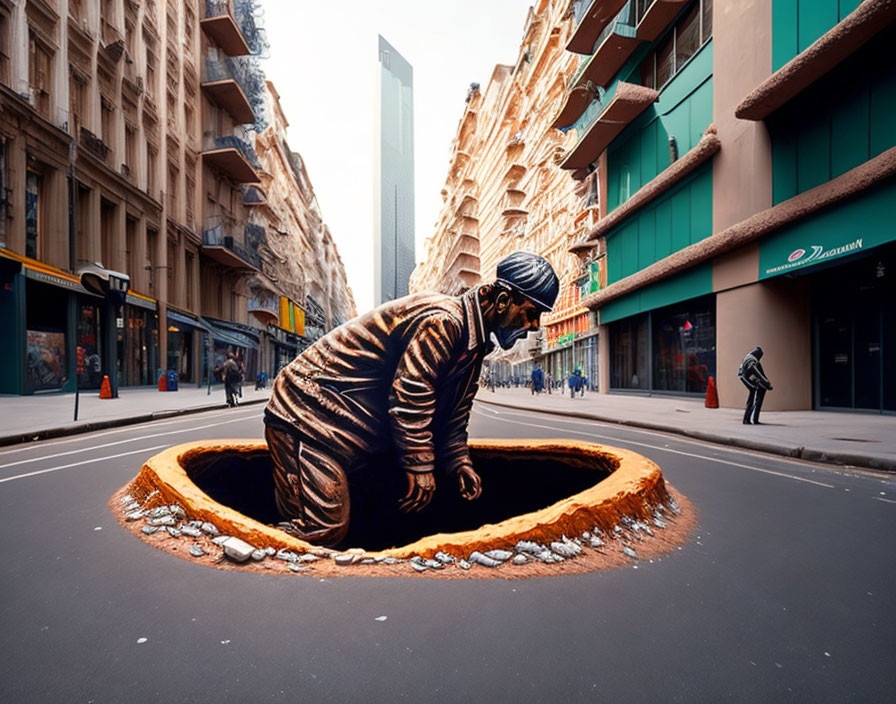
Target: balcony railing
{"x": 265, "y": 305}
{"x": 232, "y": 155}
{"x": 219, "y": 243}
{"x": 228, "y": 82}
{"x": 220, "y": 26}
{"x": 93, "y": 145}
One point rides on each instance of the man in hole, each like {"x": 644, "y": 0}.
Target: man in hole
{"x": 399, "y": 379}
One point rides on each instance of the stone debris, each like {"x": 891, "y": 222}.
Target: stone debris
{"x": 126, "y": 499}
{"x": 646, "y": 528}
{"x": 196, "y": 524}
{"x": 324, "y": 552}
{"x": 586, "y": 535}
{"x": 659, "y": 523}
{"x": 135, "y": 515}
{"x": 270, "y": 552}
{"x": 259, "y": 555}
{"x": 480, "y": 559}
{"x": 434, "y": 564}
{"x": 158, "y": 511}
{"x": 530, "y": 547}
{"x": 344, "y": 558}
{"x": 165, "y": 520}
{"x": 520, "y": 559}
{"x": 368, "y": 561}
{"x": 191, "y": 531}
{"x": 177, "y": 511}
{"x": 565, "y": 549}
{"x": 418, "y": 566}
{"x": 287, "y": 555}
{"x": 575, "y": 545}
{"x": 445, "y": 558}
{"x": 674, "y": 506}
{"x": 596, "y": 542}
{"x": 308, "y": 557}
{"x": 617, "y": 530}
{"x": 499, "y": 555}
{"x": 153, "y": 493}
{"x": 297, "y": 568}
{"x": 630, "y": 552}
{"x": 132, "y": 506}
{"x": 463, "y": 564}
{"x": 172, "y": 531}
{"x": 149, "y": 530}
{"x": 391, "y": 560}
{"x": 196, "y": 551}
{"x": 209, "y": 528}
{"x": 237, "y": 550}
{"x": 220, "y": 540}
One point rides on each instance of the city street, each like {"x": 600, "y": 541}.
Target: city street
{"x": 783, "y": 592}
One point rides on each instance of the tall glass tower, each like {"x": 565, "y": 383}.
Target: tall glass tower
{"x": 393, "y": 229}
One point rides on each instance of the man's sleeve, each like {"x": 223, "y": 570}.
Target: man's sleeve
{"x": 455, "y": 451}
{"x": 412, "y": 401}
{"x": 761, "y": 378}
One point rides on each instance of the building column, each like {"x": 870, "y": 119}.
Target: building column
{"x": 603, "y": 358}
{"x": 17, "y": 160}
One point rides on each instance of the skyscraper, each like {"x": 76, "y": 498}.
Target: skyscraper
{"x": 393, "y": 176}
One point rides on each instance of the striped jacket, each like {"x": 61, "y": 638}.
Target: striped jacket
{"x": 399, "y": 378}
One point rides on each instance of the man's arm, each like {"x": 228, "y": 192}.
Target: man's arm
{"x": 455, "y": 452}
{"x": 412, "y": 403}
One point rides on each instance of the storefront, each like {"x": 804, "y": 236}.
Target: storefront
{"x": 571, "y": 345}
{"x": 138, "y": 341}
{"x": 184, "y": 338}
{"x": 666, "y": 350}
{"x": 232, "y": 338}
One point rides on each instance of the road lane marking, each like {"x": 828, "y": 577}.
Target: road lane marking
{"x": 76, "y": 464}
{"x": 889, "y": 501}
{"x": 80, "y": 437}
{"x": 121, "y": 442}
{"x": 667, "y": 449}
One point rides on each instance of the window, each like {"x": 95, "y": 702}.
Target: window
{"x": 172, "y": 266}
{"x": 130, "y": 243}
{"x": 77, "y": 103}
{"x": 188, "y": 270}
{"x": 40, "y": 63}
{"x": 151, "y": 70}
{"x": 152, "y": 158}
{"x": 4, "y": 47}
{"x": 77, "y": 10}
{"x": 130, "y": 149}
{"x": 33, "y": 212}
{"x": 692, "y": 30}
{"x": 107, "y": 122}
{"x": 107, "y": 234}
{"x": 172, "y": 190}
{"x": 152, "y": 241}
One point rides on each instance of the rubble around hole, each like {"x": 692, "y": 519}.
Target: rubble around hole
{"x": 172, "y": 520}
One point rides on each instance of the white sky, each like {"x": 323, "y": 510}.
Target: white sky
{"x": 323, "y": 63}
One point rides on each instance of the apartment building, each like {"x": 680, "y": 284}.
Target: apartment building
{"x": 747, "y": 156}
{"x": 505, "y": 191}
{"x": 126, "y": 150}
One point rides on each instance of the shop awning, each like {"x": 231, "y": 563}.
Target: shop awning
{"x": 185, "y": 320}
{"x": 229, "y": 336}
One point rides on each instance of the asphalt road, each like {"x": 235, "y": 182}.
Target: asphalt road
{"x": 785, "y": 592}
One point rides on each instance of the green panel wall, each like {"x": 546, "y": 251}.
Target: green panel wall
{"x": 796, "y": 24}
{"x": 842, "y": 121}
{"x": 855, "y": 226}
{"x": 680, "y": 218}
{"x": 690, "y": 284}
{"x": 684, "y": 111}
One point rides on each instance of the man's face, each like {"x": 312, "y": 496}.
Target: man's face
{"x": 516, "y": 321}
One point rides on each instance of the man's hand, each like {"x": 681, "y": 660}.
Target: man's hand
{"x": 421, "y": 487}
{"x": 470, "y": 484}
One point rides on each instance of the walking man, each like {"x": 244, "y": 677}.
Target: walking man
{"x": 754, "y": 378}
{"x": 398, "y": 380}
{"x": 230, "y": 372}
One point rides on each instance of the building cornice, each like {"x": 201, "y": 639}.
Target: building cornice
{"x": 853, "y": 182}
{"x": 847, "y": 36}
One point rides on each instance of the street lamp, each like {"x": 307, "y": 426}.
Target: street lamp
{"x": 113, "y": 287}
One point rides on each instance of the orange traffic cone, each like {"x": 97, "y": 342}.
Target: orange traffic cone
{"x": 712, "y": 398}
{"x": 106, "y": 388}
{"x": 163, "y": 383}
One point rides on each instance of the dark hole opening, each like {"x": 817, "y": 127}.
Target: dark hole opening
{"x": 510, "y": 486}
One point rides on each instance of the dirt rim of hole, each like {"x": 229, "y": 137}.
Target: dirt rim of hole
{"x": 633, "y": 490}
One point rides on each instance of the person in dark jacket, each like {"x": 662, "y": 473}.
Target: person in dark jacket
{"x": 754, "y": 378}
{"x": 537, "y": 380}
{"x": 399, "y": 379}
{"x": 229, "y": 370}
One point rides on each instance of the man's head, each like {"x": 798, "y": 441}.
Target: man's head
{"x": 757, "y": 352}
{"x": 525, "y": 287}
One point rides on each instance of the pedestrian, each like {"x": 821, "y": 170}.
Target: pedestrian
{"x": 399, "y": 380}
{"x": 754, "y": 378}
{"x": 230, "y": 373}
{"x": 575, "y": 383}
{"x": 549, "y": 382}
{"x": 537, "y": 380}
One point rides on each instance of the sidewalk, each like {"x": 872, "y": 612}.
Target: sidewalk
{"x": 857, "y": 439}
{"x": 49, "y": 415}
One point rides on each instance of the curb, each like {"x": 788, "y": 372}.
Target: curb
{"x": 91, "y": 426}
{"x": 795, "y": 452}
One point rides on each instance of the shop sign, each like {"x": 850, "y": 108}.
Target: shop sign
{"x": 55, "y": 280}
{"x": 814, "y": 254}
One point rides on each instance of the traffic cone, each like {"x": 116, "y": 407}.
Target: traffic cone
{"x": 106, "y": 388}
{"x": 163, "y": 383}
{"x": 712, "y": 398}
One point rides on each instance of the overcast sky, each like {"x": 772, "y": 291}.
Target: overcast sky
{"x": 323, "y": 62}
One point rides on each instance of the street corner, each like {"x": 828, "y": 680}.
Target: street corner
{"x": 554, "y": 507}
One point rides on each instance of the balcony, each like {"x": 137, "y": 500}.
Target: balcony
{"x": 265, "y": 306}
{"x": 515, "y": 172}
{"x": 591, "y": 17}
{"x": 627, "y": 103}
{"x": 614, "y": 45}
{"x": 219, "y": 25}
{"x": 653, "y": 16}
{"x": 465, "y": 268}
{"x": 466, "y": 207}
{"x": 93, "y": 145}
{"x": 513, "y": 203}
{"x": 225, "y": 84}
{"x": 464, "y": 245}
{"x": 219, "y": 244}
{"x": 233, "y": 156}
{"x": 254, "y": 195}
